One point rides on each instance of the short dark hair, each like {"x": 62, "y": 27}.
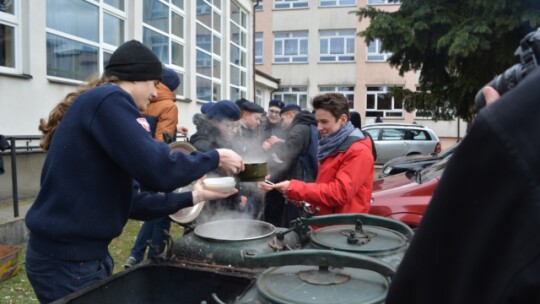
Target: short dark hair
{"x": 335, "y": 103}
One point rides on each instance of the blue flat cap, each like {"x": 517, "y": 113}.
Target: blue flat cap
{"x": 223, "y": 110}
{"x": 276, "y": 103}
{"x": 290, "y": 107}
{"x": 205, "y": 107}
{"x": 251, "y": 107}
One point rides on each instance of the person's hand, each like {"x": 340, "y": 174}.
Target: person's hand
{"x": 273, "y": 139}
{"x": 230, "y": 162}
{"x": 490, "y": 94}
{"x": 282, "y": 187}
{"x": 200, "y": 194}
{"x": 243, "y": 202}
{"x": 265, "y": 186}
{"x": 266, "y": 145}
{"x": 182, "y": 130}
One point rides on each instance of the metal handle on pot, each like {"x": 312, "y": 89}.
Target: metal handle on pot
{"x": 366, "y": 219}
{"x": 321, "y": 258}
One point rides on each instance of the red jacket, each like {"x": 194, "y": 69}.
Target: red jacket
{"x": 344, "y": 182}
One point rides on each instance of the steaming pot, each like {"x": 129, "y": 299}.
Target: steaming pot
{"x": 225, "y": 242}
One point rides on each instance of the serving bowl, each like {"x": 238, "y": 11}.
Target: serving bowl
{"x": 220, "y": 184}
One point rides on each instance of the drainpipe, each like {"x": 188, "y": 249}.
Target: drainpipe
{"x": 253, "y": 53}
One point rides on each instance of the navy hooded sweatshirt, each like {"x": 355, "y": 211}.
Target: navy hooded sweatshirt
{"x": 100, "y": 146}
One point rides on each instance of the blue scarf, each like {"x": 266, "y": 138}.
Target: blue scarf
{"x": 328, "y": 145}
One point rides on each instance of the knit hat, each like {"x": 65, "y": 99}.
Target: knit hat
{"x": 224, "y": 110}
{"x": 290, "y": 107}
{"x": 276, "y": 103}
{"x": 134, "y": 62}
{"x": 251, "y": 107}
{"x": 170, "y": 79}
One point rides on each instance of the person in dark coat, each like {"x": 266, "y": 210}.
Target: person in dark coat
{"x": 478, "y": 241}
{"x": 216, "y": 127}
{"x": 296, "y": 124}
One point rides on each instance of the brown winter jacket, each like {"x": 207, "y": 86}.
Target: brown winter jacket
{"x": 164, "y": 109}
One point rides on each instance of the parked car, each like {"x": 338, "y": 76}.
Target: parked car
{"x": 405, "y": 196}
{"x": 400, "y": 139}
{"x": 414, "y": 162}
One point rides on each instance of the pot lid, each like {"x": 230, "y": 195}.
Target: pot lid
{"x": 364, "y": 239}
{"x": 313, "y": 284}
{"x": 185, "y": 215}
{"x": 234, "y": 230}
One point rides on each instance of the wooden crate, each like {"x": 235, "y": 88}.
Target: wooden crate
{"x": 9, "y": 261}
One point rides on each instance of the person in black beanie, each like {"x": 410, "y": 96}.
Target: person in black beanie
{"x": 86, "y": 190}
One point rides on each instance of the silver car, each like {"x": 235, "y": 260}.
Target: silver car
{"x": 400, "y": 139}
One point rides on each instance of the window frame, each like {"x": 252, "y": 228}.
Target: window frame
{"x": 346, "y": 90}
{"x": 392, "y": 113}
{"x": 238, "y": 91}
{"x": 384, "y": 2}
{"x": 14, "y": 21}
{"x": 377, "y": 53}
{"x": 290, "y": 4}
{"x": 103, "y": 49}
{"x": 336, "y": 3}
{"x": 298, "y": 92}
{"x": 328, "y": 36}
{"x": 259, "y": 48}
{"x": 283, "y": 39}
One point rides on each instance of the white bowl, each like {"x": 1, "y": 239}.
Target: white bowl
{"x": 220, "y": 184}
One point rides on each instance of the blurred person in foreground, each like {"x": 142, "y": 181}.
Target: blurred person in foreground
{"x": 346, "y": 167}
{"x": 98, "y": 142}
{"x": 478, "y": 241}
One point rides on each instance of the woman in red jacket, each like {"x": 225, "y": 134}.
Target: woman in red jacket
{"x": 346, "y": 164}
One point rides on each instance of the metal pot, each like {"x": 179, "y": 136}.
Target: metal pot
{"x": 253, "y": 172}
{"x": 224, "y": 242}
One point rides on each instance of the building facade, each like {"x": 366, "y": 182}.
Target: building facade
{"x": 312, "y": 47}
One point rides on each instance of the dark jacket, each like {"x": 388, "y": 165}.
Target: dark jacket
{"x": 207, "y": 136}
{"x": 102, "y": 144}
{"x": 296, "y": 142}
{"x": 478, "y": 241}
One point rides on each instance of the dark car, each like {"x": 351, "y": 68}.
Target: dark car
{"x": 405, "y": 196}
{"x": 414, "y": 162}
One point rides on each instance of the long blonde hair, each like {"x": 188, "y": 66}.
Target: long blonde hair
{"x": 55, "y": 117}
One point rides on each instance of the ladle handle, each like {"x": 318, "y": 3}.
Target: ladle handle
{"x": 321, "y": 258}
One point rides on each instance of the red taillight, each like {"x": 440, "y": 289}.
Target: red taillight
{"x": 437, "y": 147}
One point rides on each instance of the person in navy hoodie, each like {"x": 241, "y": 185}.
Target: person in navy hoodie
{"x": 98, "y": 143}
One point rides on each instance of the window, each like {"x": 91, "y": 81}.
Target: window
{"x": 347, "y": 91}
{"x": 287, "y": 4}
{"x": 208, "y": 50}
{"x": 10, "y": 49}
{"x": 378, "y": 2}
{"x": 238, "y": 42}
{"x": 331, "y": 3}
{"x": 164, "y": 34}
{"x": 259, "y": 6}
{"x": 258, "y": 96}
{"x": 290, "y": 46}
{"x": 81, "y": 36}
{"x": 379, "y": 104}
{"x": 336, "y": 46}
{"x": 375, "y": 52}
{"x": 292, "y": 95}
{"x": 258, "y": 48}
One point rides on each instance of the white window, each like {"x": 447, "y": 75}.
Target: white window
{"x": 259, "y": 6}
{"x": 380, "y": 104}
{"x": 347, "y": 91}
{"x": 258, "y": 96}
{"x": 287, "y": 4}
{"x": 209, "y": 50}
{"x": 238, "y": 42}
{"x": 164, "y": 33}
{"x": 378, "y": 2}
{"x": 290, "y": 47}
{"x": 81, "y": 36}
{"x": 292, "y": 95}
{"x": 375, "y": 52}
{"x": 337, "y": 45}
{"x": 258, "y": 48}
{"x": 332, "y": 3}
{"x": 10, "y": 41}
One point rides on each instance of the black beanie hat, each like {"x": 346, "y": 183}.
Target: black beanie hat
{"x": 135, "y": 62}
